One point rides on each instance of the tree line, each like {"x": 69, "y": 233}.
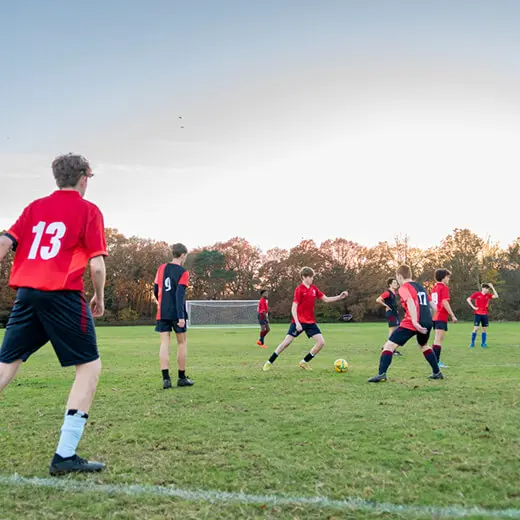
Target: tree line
{"x": 236, "y": 269}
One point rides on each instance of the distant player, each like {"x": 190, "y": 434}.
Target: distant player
{"x": 388, "y": 300}
{"x": 54, "y": 239}
{"x": 302, "y": 311}
{"x": 440, "y": 297}
{"x": 263, "y": 317}
{"x": 417, "y": 322}
{"x": 169, "y": 288}
{"x": 480, "y": 307}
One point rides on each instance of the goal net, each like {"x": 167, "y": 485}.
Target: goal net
{"x": 222, "y": 312}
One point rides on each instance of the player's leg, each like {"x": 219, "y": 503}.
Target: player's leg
{"x": 292, "y": 333}
{"x": 164, "y": 328}
{"x": 8, "y": 371}
{"x": 68, "y": 322}
{"x": 485, "y": 324}
{"x": 264, "y": 330}
{"x": 399, "y": 337}
{"x": 476, "y": 325}
{"x": 313, "y": 332}
{"x": 182, "y": 354}
{"x": 441, "y": 328}
{"x": 429, "y": 355}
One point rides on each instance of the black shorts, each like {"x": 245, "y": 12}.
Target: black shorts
{"x": 61, "y": 317}
{"x": 168, "y": 326}
{"x": 401, "y": 335}
{"x": 481, "y": 319}
{"x": 392, "y": 318}
{"x": 440, "y": 325}
{"x": 262, "y": 320}
{"x": 311, "y": 329}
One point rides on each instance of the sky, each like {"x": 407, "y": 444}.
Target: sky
{"x": 359, "y": 119}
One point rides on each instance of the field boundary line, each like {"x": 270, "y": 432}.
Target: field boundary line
{"x": 213, "y": 496}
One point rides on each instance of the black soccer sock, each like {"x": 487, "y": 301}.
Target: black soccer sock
{"x": 308, "y": 357}
{"x": 182, "y": 374}
{"x": 437, "y": 350}
{"x": 165, "y": 374}
{"x": 385, "y": 361}
{"x": 273, "y": 357}
{"x": 432, "y": 359}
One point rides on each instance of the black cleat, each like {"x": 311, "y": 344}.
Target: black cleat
{"x": 438, "y": 375}
{"x": 74, "y": 464}
{"x": 167, "y": 383}
{"x": 397, "y": 353}
{"x": 184, "y": 381}
{"x": 380, "y": 378}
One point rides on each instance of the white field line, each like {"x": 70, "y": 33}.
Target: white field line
{"x": 199, "y": 495}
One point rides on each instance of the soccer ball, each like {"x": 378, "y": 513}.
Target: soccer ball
{"x": 340, "y": 365}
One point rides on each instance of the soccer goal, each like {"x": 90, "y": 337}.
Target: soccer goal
{"x": 223, "y": 313}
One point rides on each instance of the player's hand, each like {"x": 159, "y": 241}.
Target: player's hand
{"x": 344, "y": 295}
{"x": 97, "y": 306}
{"x": 181, "y": 324}
{"x": 299, "y": 327}
{"x": 420, "y": 328}
{"x": 454, "y": 319}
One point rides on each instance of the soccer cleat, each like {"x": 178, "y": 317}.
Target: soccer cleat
{"x": 167, "y": 383}
{"x": 380, "y": 378}
{"x": 304, "y": 365}
{"x": 484, "y": 346}
{"x": 266, "y": 367}
{"x": 259, "y": 343}
{"x": 74, "y": 464}
{"x": 438, "y": 375}
{"x": 472, "y": 345}
{"x": 397, "y": 353}
{"x": 442, "y": 365}
{"x": 184, "y": 381}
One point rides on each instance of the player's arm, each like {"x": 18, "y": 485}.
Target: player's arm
{"x": 156, "y": 291}
{"x": 470, "y": 303}
{"x": 294, "y": 312}
{"x": 180, "y": 295}
{"x": 495, "y": 294}
{"x": 382, "y": 302}
{"x": 332, "y": 299}
{"x": 433, "y": 307}
{"x": 98, "y": 275}
{"x": 6, "y": 243}
{"x": 447, "y": 306}
{"x": 413, "y": 316}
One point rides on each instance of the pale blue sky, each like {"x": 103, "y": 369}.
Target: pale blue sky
{"x": 322, "y": 113}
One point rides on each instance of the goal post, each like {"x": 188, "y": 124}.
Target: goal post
{"x": 224, "y": 313}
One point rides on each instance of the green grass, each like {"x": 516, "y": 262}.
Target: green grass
{"x": 286, "y": 432}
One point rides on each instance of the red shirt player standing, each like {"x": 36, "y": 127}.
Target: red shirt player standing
{"x": 54, "y": 239}
{"x": 263, "y": 317}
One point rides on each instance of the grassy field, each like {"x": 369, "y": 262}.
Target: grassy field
{"x": 287, "y": 432}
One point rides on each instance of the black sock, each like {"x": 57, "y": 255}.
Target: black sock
{"x": 165, "y": 374}
{"x": 273, "y": 357}
{"x": 182, "y": 374}
{"x": 432, "y": 359}
{"x": 308, "y": 357}
{"x": 437, "y": 350}
{"x": 385, "y": 361}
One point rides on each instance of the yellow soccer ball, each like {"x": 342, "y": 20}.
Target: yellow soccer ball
{"x": 340, "y": 365}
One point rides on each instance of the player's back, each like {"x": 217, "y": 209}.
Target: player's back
{"x": 418, "y": 294}
{"x": 54, "y": 238}
{"x": 169, "y": 277}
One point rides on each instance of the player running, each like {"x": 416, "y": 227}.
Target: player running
{"x": 389, "y": 300}
{"x": 263, "y": 317}
{"x": 440, "y": 296}
{"x": 169, "y": 289}
{"x": 302, "y": 311}
{"x": 417, "y": 322}
{"x": 481, "y": 299}
{"x": 54, "y": 239}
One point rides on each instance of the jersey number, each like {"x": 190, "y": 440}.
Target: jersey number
{"x": 168, "y": 284}
{"x": 56, "y": 230}
{"x": 435, "y": 298}
{"x": 423, "y": 298}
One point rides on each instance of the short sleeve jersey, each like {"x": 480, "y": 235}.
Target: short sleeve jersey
{"x": 439, "y": 294}
{"x": 481, "y": 302}
{"x": 263, "y": 306}
{"x": 306, "y": 297}
{"x": 416, "y": 292}
{"x": 390, "y": 299}
{"x": 54, "y": 239}
{"x": 167, "y": 280}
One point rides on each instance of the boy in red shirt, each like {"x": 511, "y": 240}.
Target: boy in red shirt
{"x": 417, "y": 322}
{"x": 54, "y": 239}
{"x": 440, "y": 296}
{"x": 481, "y": 312}
{"x": 302, "y": 311}
{"x": 263, "y": 317}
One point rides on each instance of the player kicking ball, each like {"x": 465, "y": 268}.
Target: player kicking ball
{"x": 417, "y": 322}
{"x": 481, "y": 300}
{"x": 302, "y": 311}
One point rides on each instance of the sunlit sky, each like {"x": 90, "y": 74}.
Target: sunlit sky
{"x": 302, "y": 119}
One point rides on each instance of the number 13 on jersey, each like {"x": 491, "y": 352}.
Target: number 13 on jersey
{"x": 56, "y": 230}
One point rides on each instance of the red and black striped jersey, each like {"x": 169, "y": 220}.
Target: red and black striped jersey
{"x": 421, "y": 301}
{"x": 170, "y": 290}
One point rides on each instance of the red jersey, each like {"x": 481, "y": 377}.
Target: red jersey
{"x": 263, "y": 306}
{"x": 418, "y": 294}
{"x": 306, "y": 299}
{"x": 481, "y": 302}
{"x": 440, "y": 293}
{"x": 54, "y": 239}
